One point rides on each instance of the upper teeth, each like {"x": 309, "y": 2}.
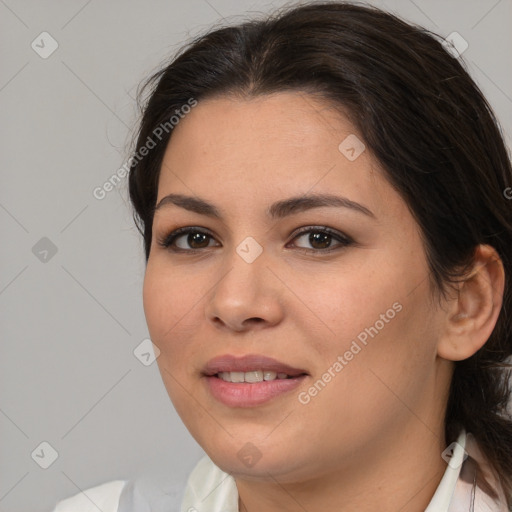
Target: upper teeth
{"x": 254, "y": 376}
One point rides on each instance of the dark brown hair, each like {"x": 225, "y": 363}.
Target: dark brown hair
{"x": 423, "y": 119}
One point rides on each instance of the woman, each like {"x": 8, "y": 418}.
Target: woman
{"x": 323, "y": 200}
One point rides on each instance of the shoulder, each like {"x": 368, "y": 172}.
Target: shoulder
{"x": 154, "y": 492}
{"x": 104, "y": 497}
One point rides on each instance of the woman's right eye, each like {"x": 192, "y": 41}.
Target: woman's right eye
{"x": 191, "y": 239}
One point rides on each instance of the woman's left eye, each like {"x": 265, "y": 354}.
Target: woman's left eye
{"x": 320, "y": 238}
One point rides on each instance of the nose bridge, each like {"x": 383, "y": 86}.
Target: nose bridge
{"x": 245, "y": 275}
{"x": 246, "y": 289}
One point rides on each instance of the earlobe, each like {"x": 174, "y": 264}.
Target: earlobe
{"x": 472, "y": 315}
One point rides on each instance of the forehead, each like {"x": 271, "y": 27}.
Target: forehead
{"x": 291, "y": 120}
{"x": 280, "y": 144}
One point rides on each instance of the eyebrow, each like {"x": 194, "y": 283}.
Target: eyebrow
{"x": 277, "y": 210}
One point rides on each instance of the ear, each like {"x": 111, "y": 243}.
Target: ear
{"x": 472, "y": 314}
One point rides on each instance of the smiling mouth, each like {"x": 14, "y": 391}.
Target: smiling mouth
{"x": 253, "y": 376}
{"x": 250, "y": 380}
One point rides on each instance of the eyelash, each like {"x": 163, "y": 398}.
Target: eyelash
{"x": 344, "y": 241}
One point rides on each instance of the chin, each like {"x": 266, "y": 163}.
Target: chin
{"x": 247, "y": 461}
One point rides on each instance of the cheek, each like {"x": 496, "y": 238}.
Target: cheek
{"x": 170, "y": 301}
{"x": 396, "y": 362}
{"x": 345, "y": 307}
{"x": 378, "y": 383}
{"x": 169, "y": 307}
{"x": 157, "y": 301}
{"x": 384, "y": 334}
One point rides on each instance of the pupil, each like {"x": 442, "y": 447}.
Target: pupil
{"x": 194, "y": 238}
{"x": 319, "y": 238}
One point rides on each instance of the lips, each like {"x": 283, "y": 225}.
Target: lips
{"x": 250, "y": 390}
{"x": 249, "y": 363}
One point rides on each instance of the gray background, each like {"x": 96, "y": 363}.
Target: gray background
{"x": 70, "y": 321}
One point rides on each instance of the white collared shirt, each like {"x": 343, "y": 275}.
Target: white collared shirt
{"x": 209, "y": 489}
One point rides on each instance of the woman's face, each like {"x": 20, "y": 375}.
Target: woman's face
{"x": 349, "y": 307}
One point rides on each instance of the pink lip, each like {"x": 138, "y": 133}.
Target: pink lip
{"x": 245, "y": 394}
{"x": 248, "y": 363}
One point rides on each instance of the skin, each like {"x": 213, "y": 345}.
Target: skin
{"x": 372, "y": 438}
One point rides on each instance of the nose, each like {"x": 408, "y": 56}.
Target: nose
{"x": 246, "y": 296}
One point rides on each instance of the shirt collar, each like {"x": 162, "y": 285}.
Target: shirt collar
{"x": 455, "y": 455}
